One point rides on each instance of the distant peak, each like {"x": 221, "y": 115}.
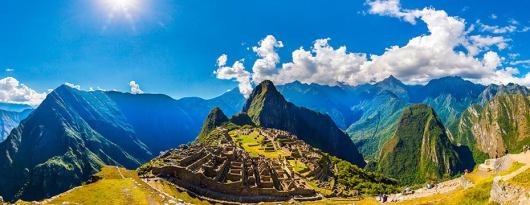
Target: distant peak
{"x": 391, "y": 80}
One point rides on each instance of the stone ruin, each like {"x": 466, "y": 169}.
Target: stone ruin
{"x": 228, "y": 173}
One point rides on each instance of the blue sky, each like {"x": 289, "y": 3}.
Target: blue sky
{"x": 171, "y": 47}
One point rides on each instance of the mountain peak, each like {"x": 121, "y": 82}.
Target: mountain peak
{"x": 419, "y": 143}
{"x": 264, "y": 95}
{"x": 390, "y": 80}
{"x": 215, "y": 118}
{"x": 267, "y": 108}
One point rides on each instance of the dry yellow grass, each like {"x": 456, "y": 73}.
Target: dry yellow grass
{"x": 120, "y": 186}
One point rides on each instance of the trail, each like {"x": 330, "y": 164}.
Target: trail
{"x": 119, "y": 172}
{"x": 522, "y": 158}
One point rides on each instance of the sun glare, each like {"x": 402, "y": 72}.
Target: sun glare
{"x": 123, "y": 5}
{"x": 121, "y": 9}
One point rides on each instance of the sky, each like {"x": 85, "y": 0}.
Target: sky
{"x": 204, "y": 48}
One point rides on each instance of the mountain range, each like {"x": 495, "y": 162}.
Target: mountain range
{"x": 369, "y": 112}
{"x": 73, "y": 133}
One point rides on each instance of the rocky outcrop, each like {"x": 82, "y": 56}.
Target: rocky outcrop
{"x": 505, "y": 193}
{"x": 502, "y": 126}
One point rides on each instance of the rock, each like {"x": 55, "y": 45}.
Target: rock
{"x": 505, "y": 193}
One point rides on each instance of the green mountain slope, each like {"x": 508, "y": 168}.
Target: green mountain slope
{"x": 73, "y": 133}
{"x": 268, "y": 108}
{"x": 61, "y": 144}
{"x": 500, "y": 126}
{"x": 377, "y": 124}
{"x": 419, "y": 150}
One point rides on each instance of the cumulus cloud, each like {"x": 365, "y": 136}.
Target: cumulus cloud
{"x": 235, "y": 72}
{"x": 268, "y": 58}
{"x": 449, "y": 48}
{"x": 12, "y": 91}
{"x": 9, "y": 70}
{"x": 135, "y": 87}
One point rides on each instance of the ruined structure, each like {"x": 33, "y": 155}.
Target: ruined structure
{"x": 228, "y": 172}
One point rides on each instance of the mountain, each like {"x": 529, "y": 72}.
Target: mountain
{"x": 215, "y": 118}
{"x": 392, "y": 84}
{"x": 501, "y": 126}
{"x": 268, "y": 108}
{"x": 9, "y": 120}
{"x": 494, "y": 90}
{"x": 368, "y": 112}
{"x": 332, "y": 100}
{"x": 73, "y": 133}
{"x": 252, "y": 164}
{"x": 14, "y": 107}
{"x": 419, "y": 150}
{"x": 377, "y": 123}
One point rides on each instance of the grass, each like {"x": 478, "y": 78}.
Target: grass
{"x": 254, "y": 144}
{"x": 522, "y": 179}
{"x": 298, "y": 167}
{"x": 343, "y": 201}
{"x": 476, "y": 195}
{"x": 112, "y": 188}
{"x": 314, "y": 185}
{"x": 515, "y": 166}
{"x": 171, "y": 190}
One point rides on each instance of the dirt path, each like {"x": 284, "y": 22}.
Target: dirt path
{"x": 522, "y": 158}
{"x": 443, "y": 187}
{"x": 119, "y": 172}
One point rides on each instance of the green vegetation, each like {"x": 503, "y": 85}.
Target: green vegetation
{"x": 256, "y": 145}
{"x": 352, "y": 178}
{"x": 298, "y": 167}
{"x": 268, "y": 108}
{"x": 420, "y": 150}
{"x": 215, "y": 118}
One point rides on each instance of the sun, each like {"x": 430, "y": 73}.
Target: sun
{"x": 118, "y": 10}
{"x": 123, "y": 5}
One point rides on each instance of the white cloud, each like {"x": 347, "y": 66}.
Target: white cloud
{"x": 78, "y": 87}
{"x": 9, "y": 70}
{"x": 236, "y": 71}
{"x": 221, "y": 61}
{"x": 135, "y": 87}
{"x": 448, "y": 49}
{"x": 514, "y": 26}
{"x": 497, "y": 29}
{"x": 268, "y": 58}
{"x": 12, "y": 91}
{"x": 524, "y": 63}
